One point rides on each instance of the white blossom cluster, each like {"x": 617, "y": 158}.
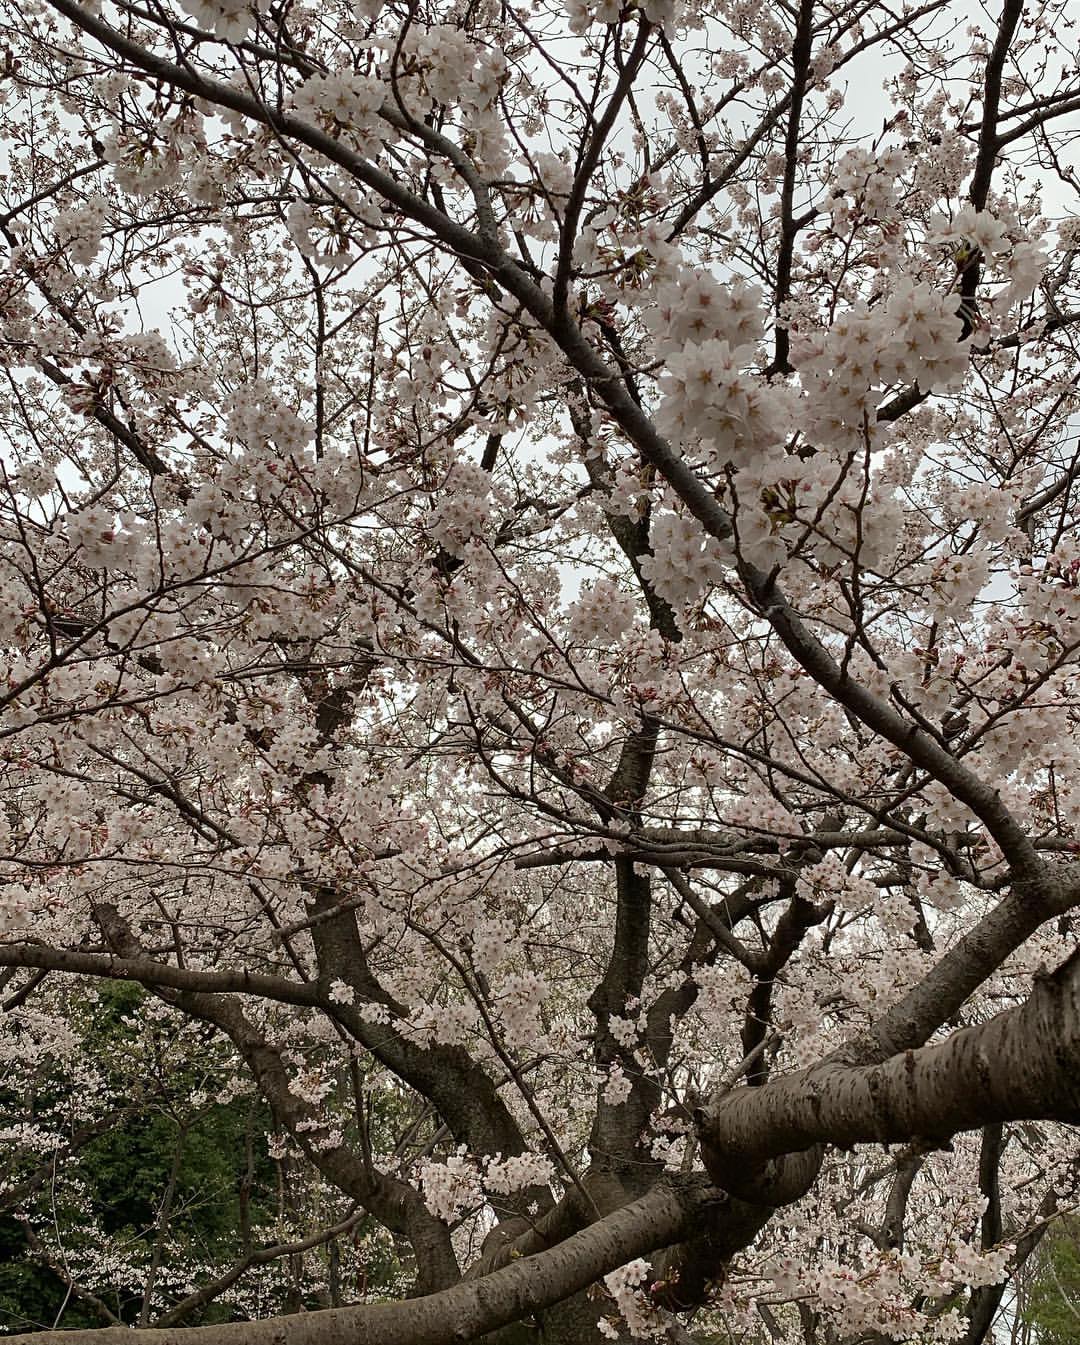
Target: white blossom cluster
{"x": 913, "y": 337}
{"x": 79, "y": 229}
{"x": 93, "y": 531}
{"x": 693, "y": 307}
{"x": 618, "y": 1087}
{"x": 139, "y": 166}
{"x": 965, "y": 1264}
{"x": 685, "y": 560}
{"x": 868, "y": 183}
{"x": 462, "y": 508}
{"x": 716, "y": 408}
{"x": 229, "y": 19}
{"x": 520, "y": 997}
{"x": 624, "y": 1030}
{"x": 257, "y": 416}
{"x": 722, "y": 986}
{"x": 35, "y": 479}
{"x": 601, "y": 614}
{"x": 759, "y": 811}
{"x": 880, "y": 1296}
{"x": 1001, "y": 243}
{"x": 458, "y": 71}
{"x": 829, "y": 880}
{"x": 456, "y": 1185}
{"x": 451, "y": 1187}
{"x": 16, "y": 903}
{"x": 582, "y": 15}
{"x": 442, "y": 1024}
{"x": 642, "y": 1319}
{"x": 345, "y": 99}
{"x": 505, "y": 1176}
{"x": 492, "y": 937}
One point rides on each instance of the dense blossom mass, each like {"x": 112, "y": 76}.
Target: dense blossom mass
{"x": 540, "y": 617}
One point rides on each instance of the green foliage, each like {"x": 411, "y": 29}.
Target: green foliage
{"x": 1053, "y": 1308}
{"x": 31, "y": 1295}
{"x": 211, "y": 1154}
{"x": 185, "y": 1132}
{"x": 127, "y": 1171}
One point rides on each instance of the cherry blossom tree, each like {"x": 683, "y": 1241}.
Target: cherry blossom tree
{"x": 540, "y": 594}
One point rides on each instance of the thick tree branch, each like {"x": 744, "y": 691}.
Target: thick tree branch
{"x": 468, "y": 1310}
{"x": 1023, "y": 1064}
{"x": 146, "y": 971}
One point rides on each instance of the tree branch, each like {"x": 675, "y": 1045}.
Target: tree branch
{"x": 1021, "y": 1065}
{"x": 468, "y": 1310}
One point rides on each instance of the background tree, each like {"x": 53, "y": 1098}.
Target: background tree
{"x": 1050, "y": 1303}
{"x": 1055, "y": 1291}
{"x": 138, "y": 1185}
{"x": 540, "y": 583}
